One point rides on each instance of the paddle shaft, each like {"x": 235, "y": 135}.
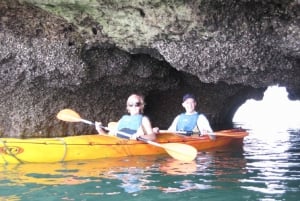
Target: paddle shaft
{"x": 189, "y": 133}
{"x": 88, "y": 122}
{"x": 185, "y": 133}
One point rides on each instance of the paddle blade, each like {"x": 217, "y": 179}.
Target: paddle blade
{"x": 181, "y": 152}
{"x": 68, "y": 115}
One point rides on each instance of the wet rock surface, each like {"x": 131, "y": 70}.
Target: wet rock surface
{"x": 91, "y": 56}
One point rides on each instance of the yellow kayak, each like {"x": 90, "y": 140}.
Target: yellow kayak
{"x": 88, "y": 147}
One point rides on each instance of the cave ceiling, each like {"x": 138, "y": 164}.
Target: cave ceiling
{"x": 90, "y": 55}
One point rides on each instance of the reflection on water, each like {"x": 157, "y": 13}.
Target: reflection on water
{"x": 175, "y": 167}
{"x": 70, "y": 173}
{"x": 265, "y": 167}
{"x": 273, "y": 162}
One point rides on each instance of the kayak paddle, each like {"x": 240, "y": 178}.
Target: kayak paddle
{"x": 178, "y": 151}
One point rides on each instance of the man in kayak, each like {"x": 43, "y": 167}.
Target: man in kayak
{"x": 135, "y": 123}
{"x": 191, "y": 121}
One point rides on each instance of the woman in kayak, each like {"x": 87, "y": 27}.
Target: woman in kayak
{"x": 135, "y": 123}
{"x": 191, "y": 121}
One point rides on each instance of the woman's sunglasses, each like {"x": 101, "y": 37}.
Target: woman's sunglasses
{"x": 138, "y": 104}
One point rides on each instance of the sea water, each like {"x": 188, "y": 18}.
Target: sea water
{"x": 265, "y": 167}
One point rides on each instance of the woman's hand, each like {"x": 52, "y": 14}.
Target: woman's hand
{"x": 98, "y": 126}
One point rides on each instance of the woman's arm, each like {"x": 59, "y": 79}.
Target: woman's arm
{"x": 146, "y": 130}
{"x": 112, "y": 126}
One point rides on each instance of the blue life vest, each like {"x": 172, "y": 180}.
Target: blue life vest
{"x": 187, "y": 122}
{"x": 129, "y": 124}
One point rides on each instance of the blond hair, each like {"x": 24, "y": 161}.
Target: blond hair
{"x": 137, "y": 97}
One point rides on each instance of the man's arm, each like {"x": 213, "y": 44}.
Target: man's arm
{"x": 204, "y": 127}
{"x": 173, "y": 125}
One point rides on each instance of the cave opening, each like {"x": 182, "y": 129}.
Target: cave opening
{"x": 274, "y": 111}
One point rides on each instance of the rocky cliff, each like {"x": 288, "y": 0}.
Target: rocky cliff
{"x": 90, "y": 55}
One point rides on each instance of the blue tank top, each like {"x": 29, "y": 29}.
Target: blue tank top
{"x": 187, "y": 122}
{"x": 129, "y": 124}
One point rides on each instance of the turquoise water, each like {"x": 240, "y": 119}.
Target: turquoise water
{"x": 265, "y": 167}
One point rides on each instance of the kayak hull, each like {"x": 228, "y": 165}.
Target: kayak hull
{"x": 89, "y": 147}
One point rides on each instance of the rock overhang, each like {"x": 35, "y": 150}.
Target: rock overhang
{"x": 91, "y": 57}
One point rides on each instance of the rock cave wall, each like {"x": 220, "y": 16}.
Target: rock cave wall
{"x": 90, "y": 55}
